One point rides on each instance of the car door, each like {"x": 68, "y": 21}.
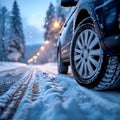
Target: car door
{"x": 66, "y": 36}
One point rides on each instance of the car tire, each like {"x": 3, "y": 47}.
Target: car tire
{"x": 90, "y": 66}
{"x": 62, "y": 67}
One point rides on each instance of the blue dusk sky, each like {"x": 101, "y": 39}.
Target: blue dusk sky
{"x": 33, "y": 13}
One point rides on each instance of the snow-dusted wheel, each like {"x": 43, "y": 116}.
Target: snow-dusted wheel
{"x": 62, "y": 67}
{"x": 89, "y": 65}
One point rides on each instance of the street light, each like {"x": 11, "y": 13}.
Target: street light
{"x": 30, "y": 60}
{"x": 38, "y": 54}
{"x": 46, "y": 42}
{"x": 34, "y": 57}
{"x": 42, "y": 48}
{"x": 56, "y": 25}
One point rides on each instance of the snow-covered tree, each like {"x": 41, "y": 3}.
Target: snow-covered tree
{"x": 17, "y": 42}
{"x": 0, "y": 36}
{"x": 48, "y": 20}
{"x": 54, "y": 20}
{"x": 4, "y": 27}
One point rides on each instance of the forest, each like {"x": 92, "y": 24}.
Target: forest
{"x": 12, "y": 38}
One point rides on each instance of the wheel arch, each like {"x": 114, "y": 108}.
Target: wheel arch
{"x": 80, "y": 17}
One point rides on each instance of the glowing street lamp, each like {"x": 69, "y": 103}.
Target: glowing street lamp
{"x": 42, "y": 48}
{"x": 46, "y": 42}
{"x": 38, "y": 54}
{"x": 30, "y": 60}
{"x": 56, "y": 25}
{"x": 34, "y": 57}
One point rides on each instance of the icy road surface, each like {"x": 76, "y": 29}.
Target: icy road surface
{"x": 39, "y": 93}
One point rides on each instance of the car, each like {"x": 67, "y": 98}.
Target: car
{"x": 89, "y": 42}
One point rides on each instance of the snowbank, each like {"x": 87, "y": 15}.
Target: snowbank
{"x": 10, "y": 65}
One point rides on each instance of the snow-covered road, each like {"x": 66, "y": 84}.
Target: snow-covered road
{"x": 38, "y": 92}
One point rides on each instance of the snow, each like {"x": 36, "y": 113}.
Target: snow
{"x": 42, "y": 94}
{"x": 50, "y": 67}
{"x": 47, "y": 67}
{"x": 14, "y": 56}
{"x": 10, "y": 65}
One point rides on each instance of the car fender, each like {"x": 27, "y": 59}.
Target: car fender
{"x": 85, "y": 8}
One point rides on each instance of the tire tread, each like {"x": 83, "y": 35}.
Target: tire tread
{"x": 111, "y": 78}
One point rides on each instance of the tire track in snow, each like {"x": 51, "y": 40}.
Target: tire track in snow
{"x": 51, "y": 103}
{"x": 42, "y": 94}
{"x": 11, "y": 99}
{"x": 46, "y": 96}
{"x": 8, "y": 78}
{"x": 30, "y": 96}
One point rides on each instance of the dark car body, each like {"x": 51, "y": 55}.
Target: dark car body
{"x": 104, "y": 15}
{"x": 66, "y": 34}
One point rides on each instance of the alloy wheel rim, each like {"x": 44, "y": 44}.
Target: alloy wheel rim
{"x": 88, "y": 54}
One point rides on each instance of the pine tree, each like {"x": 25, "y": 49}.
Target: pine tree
{"x": 4, "y": 26}
{"x": 0, "y": 36}
{"x": 16, "y": 35}
{"x": 48, "y": 20}
{"x": 53, "y": 15}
